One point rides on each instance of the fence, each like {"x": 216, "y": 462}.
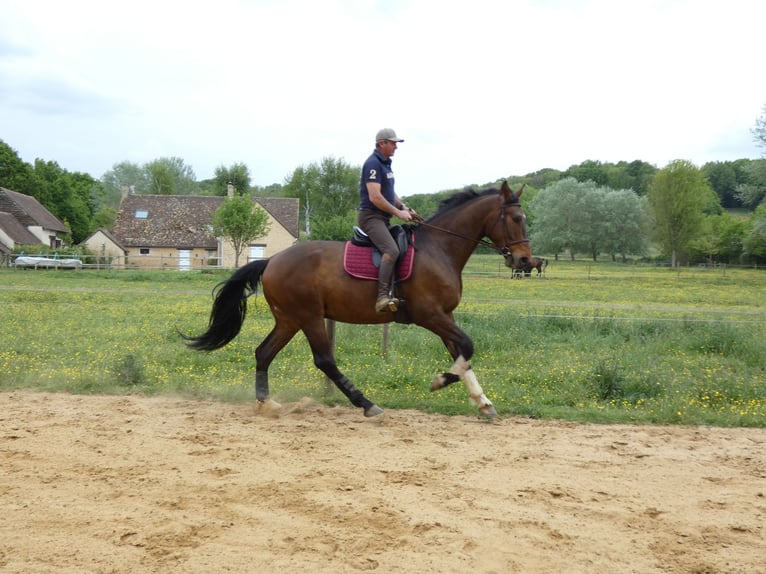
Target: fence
{"x": 85, "y": 261}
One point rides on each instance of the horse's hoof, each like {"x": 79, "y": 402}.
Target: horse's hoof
{"x": 372, "y": 411}
{"x": 443, "y": 380}
{"x": 268, "y": 408}
{"x": 488, "y": 411}
{"x": 437, "y": 383}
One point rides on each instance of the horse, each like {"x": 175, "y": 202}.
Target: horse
{"x": 306, "y": 283}
{"x": 534, "y": 263}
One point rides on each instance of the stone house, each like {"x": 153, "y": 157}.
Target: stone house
{"x": 24, "y": 221}
{"x": 175, "y": 231}
{"x": 106, "y": 249}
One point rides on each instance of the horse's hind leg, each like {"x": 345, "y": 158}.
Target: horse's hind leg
{"x": 264, "y": 354}
{"x": 321, "y": 349}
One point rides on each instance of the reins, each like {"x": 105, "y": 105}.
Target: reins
{"x": 502, "y": 250}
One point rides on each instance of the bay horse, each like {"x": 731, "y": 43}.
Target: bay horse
{"x": 306, "y": 283}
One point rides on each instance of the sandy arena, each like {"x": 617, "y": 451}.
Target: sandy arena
{"x": 132, "y": 485}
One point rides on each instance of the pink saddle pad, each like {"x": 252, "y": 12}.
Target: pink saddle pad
{"x": 357, "y": 261}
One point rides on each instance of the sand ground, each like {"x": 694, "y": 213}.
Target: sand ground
{"x": 134, "y": 484}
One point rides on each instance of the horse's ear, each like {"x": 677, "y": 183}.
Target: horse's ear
{"x": 507, "y": 192}
{"x": 505, "y": 189}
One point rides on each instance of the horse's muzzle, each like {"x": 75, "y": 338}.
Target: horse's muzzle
{"x": 516, "y": 262}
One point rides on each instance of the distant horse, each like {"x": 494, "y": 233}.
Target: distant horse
{"x": 534, "y": 263}
{"x": 306, "y": 283}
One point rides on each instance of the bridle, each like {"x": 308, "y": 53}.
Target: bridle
{"x": 505, "y": 250}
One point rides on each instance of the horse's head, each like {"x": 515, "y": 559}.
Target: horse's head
{"x": 508, "y": 228}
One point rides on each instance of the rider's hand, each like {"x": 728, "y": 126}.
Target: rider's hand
{"x": 404, "y": 214}
{"x": 415, "y": 216}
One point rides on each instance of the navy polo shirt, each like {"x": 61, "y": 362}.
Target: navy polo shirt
{"x": 377, "y": 169}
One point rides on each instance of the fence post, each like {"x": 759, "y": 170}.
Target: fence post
{"x": 384, "y": 347}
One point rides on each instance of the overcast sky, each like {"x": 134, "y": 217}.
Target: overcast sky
{"x": 479, "y": 89}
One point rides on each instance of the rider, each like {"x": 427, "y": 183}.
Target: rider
{"x": 379, "y": 203}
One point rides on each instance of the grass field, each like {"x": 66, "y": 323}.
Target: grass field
{"x": 589, "y": 342}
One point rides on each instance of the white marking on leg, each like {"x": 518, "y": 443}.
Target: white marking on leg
{"x": 460, "y": 366}
{"x": 475, "y": 391}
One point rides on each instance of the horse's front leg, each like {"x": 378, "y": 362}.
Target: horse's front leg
{"x": 461, "y": 369}
{"x": 460, "y": 347}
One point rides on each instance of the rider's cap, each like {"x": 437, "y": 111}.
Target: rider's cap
{"x": 387, "y": 134}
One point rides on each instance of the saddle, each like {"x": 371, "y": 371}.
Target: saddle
{"x": 361, "y": 259}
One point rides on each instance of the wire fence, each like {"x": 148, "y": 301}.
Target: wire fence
{"x": 99, "y": 262}
{"x": 478, "y": 265}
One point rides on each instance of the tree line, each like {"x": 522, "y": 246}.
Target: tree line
{"x": 681, "y": 212}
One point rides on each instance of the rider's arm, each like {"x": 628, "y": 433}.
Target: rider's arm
{"x": 377, "y": 199}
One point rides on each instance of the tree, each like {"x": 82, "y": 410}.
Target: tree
{"x": 721, "y": 239}
{"x": 240, "y": 221}
{"x": 582, "y": 217}
{"x": 589, "y": 170}
{"x": 625, "y": 225}
{"x": 752, "y": 191}
{"x": 591, "y": 224}
{"x": 759, "y": 131}
{"x": 755, "y": 241}
{"x": 550, "y": 232}
{"x": 237, "y": 174}
{"x": 428, "y": 203}
{"x": 170, "y": 176}
{"x": 69, "y": 196}
{"x": 16, "y": 174}
{"x": 640, "y": 174}
{"x": 560, "y": 223}
{"x": 634, "y": 175}
{"x": 334, "y": 228}
{"x": 302, "y": 184}
{"x": 124, "y": 176}
{"x": 324, "y": 189}
{"x": 722, "y": 176}
{"x": 678, "y": 197}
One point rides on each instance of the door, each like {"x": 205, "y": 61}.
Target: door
{"x": 256, "y": 252}
{"x": 184, "y": 259}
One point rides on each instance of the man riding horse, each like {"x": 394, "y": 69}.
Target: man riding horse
{"x": 378, "y": 204}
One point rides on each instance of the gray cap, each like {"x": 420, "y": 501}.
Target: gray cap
{"x": 387, "y": 134}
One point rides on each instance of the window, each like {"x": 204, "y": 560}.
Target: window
{"x": 143, "y": 251}
{"x": 142, "y": 214}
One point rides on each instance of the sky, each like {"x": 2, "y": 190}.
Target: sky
{"x": 480, "y": 90}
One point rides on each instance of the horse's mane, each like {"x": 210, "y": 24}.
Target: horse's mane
{"x": 460, "y": 198}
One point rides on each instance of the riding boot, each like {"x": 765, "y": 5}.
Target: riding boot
{"x": 386, "y": 303}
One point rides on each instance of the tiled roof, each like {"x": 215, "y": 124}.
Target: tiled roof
{"x": 16, "y": 231}
{"x": 28, "y": 211}
{"x": 184, "y": 221}
{"x": 284, "y": 210}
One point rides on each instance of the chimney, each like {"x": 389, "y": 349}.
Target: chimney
{"x": 230, "y": 190}
{"x": 125, "y": 190}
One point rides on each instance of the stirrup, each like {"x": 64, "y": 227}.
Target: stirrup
{"x": 387, "y": 305}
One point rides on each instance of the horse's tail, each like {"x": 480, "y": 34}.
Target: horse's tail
{"x": 229, "y": 307}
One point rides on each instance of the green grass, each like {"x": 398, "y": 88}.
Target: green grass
{"x": 589, "y": 342}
